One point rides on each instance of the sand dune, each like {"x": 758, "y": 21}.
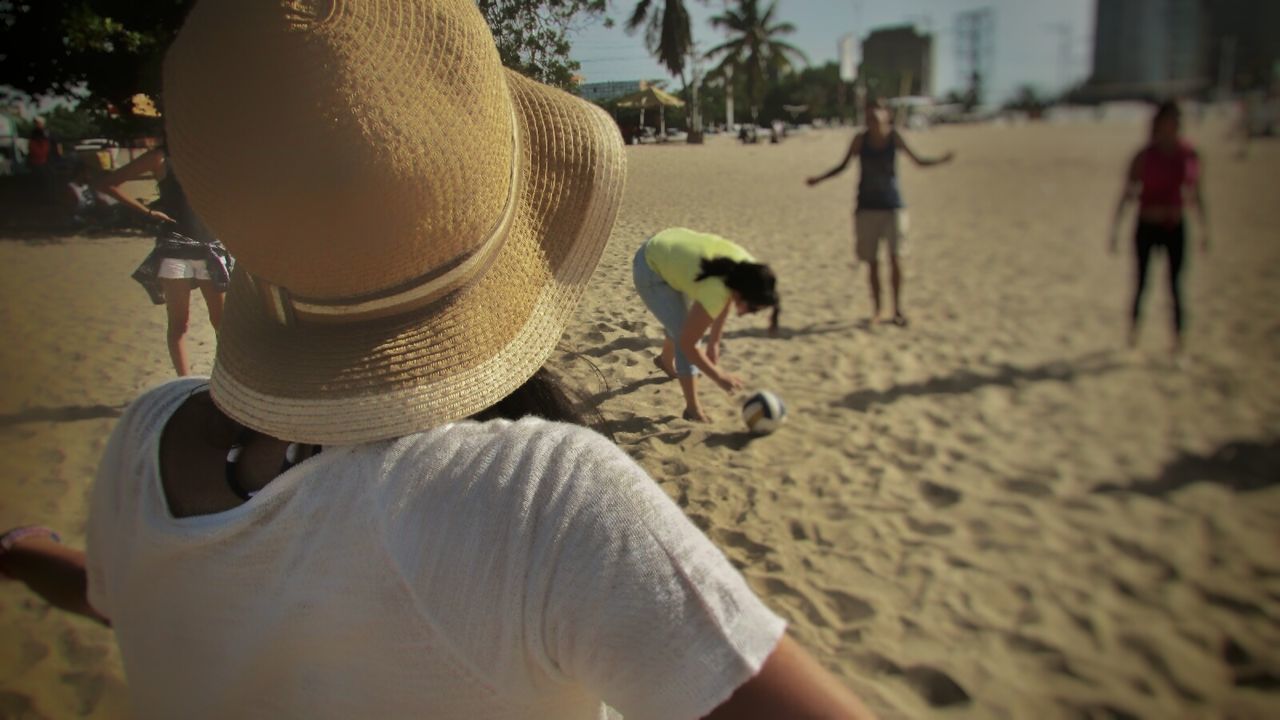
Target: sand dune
{"x": 996, "y": 512}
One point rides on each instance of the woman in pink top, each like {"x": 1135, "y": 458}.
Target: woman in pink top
{"x": 1163, "y": 176}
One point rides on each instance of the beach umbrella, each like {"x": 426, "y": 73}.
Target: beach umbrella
{"x": 651, "y": 97}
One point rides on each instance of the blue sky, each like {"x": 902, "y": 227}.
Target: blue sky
{"x": 1027, "y": 39}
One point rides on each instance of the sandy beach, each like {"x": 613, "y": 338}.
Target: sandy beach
{"x": 999, "y": 511}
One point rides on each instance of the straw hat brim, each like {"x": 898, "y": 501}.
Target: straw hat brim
{"x": 379, "y": 379}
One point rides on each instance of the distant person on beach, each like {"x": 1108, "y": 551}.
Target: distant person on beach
{"x": 43, "y": 155}
{"x": 186, "y": 254}
{"x": 880, "y": 214}
{"x": 383, "y": 504}
{"x": 1163, "y": 177}
{"x": 690, "y": 281}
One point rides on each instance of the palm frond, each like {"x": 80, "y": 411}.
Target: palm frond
{"x": 638, "y": 16}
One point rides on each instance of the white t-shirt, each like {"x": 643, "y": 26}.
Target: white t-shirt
{"x": 478, "y": 570}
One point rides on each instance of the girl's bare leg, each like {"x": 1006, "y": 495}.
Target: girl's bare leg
{"x": 692, "y": 408}
{"x": 213, "y": 301}
{"x": 177, "y": 302}
{"x": 667, "y": 360}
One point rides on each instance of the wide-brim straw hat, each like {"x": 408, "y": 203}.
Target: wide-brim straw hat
{"x": 413, "y": 224}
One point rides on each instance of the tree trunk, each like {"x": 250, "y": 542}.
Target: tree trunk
{"x": 728, "y": 96}
{"x": 693, "y": 113}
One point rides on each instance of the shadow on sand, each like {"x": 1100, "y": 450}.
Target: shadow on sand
{"x": 733, "y": 441}
{"x": 786, "y": 333}
{"x": 68, "y": 413}
{"x": 1242, "y": 466}
{"x": 655, "y": 378}
{"x": 965, "y": 381}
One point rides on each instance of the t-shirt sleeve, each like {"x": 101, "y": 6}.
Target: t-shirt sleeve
{"x": 640, "y": 607}
{"x": 712, "y": 295}
{"x": 116, "y": 486}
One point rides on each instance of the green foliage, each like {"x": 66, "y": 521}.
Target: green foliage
{"x": 533, "y": 36}
{"x": 818, "y": 88}
{"x": 111, "y": 48}
{"x": 105, "y": 51}
{"x": 754, "y": 49}
{"x": 667, "y": 32}
{"x": 1028, "y": 100}
{"x": 67, "y": 124}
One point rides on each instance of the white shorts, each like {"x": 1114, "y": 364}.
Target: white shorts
{"x": 175, "y": 269}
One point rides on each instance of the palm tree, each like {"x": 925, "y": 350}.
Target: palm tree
{"x": 668, "y": 35}
{"x": 753, "y": 48}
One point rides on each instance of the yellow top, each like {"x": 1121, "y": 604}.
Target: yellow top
{"x": 676, "y": 254}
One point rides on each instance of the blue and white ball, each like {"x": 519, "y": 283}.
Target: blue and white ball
{"x": 763, "y": 412}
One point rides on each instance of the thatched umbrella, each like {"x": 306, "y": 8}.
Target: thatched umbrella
{"x": 651, "y": 97}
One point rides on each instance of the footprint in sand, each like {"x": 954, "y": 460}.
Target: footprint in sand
{"x": 936, "y": 687}
{"x": 1030, "y": 488}
{"x": 87, "y": 688}
{"x": 939, "y": 496}
{"x": 18, "y": 707}
{"x": 78, "y": 653}
{"x": 737, "y": 539}
{"x": 798, "y": 532}
{"x": 849, "y": 608}
{"x": 779, "y": 588}
{"x": 932, "y": 529}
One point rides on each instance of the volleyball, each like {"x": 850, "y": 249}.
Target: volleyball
{"x": 763, "y": 412}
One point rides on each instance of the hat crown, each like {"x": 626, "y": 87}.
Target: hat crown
{"x": 341, "y": 148}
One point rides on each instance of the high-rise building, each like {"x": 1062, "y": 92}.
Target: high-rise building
{"x": 898, "y": 61}
{"x": 1149, "y": 48}
{"x": 1244, "y": 44}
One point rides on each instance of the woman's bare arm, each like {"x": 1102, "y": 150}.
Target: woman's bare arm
{"x": 717, "y": 330}
{"x": 1132, "y": 186}
{"x": 695, "y": 326}
{"x": 791, "y": 684}
{"x": 1202, "y": 210}
{"x": 150, "y": 162}
{"x": 854, "y": 148}
{"x": 53, "y": 571}
{"x": 922, "y": 162}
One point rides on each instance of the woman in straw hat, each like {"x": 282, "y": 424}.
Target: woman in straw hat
{"x": 186, "y": 255}
{"x": 689, "y": 281}
{"x": 319, "y": 530}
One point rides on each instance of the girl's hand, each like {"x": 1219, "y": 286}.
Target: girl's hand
{"x": 157, "y": 215}
{"x": 729, "y": 382}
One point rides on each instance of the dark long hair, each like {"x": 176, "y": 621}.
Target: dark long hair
{"x": 1165, "y": 110}
{"x": 543, "y": 395}
{"x": 546, "y": 396}
{"x": 754, "y": 282}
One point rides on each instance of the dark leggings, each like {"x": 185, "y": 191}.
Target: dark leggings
{"x": 1172, "y": 238}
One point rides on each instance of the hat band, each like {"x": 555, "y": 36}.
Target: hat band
{"x": 442, "y": 281}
